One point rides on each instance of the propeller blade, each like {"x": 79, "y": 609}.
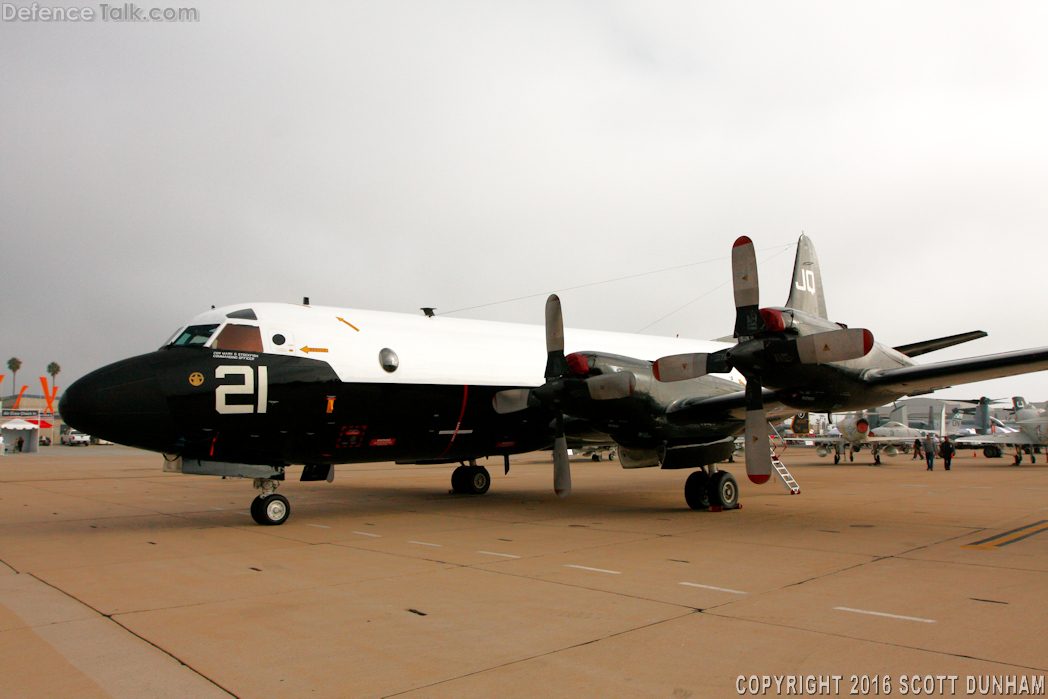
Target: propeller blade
{"x": 556, "y": 364}
{"x": 748, "y": 319}
{"x": 561, "y": 467}
{"x": 512, "y": 400}
{"x": 680, "y": 367}
{"x": 834, "y": 346}
{"x": 758, "y": 450}
{"x": 610, "y": 386}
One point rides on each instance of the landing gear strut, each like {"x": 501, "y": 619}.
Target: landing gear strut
{"x": 472, "y": 479}
{"x": 269, "y": 508}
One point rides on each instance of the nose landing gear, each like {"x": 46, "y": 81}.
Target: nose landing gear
{"x": 472, "y": 479}
{"x": 269, "y": 508}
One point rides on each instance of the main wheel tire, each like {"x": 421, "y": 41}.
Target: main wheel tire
{"x": 460, "y": 479}
{"x": 836, "y": 458}
{"x": 723, "y": 490}
{"x": 270, "y": 509}
{"x": 696, "y": 492}
{"x": 596, "y": 457}
{"x": 479, "y": 480}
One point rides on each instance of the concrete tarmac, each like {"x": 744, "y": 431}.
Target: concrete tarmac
{"x": 117, "y": 580}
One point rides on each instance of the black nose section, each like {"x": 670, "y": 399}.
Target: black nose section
{"x": 122, "y": 403}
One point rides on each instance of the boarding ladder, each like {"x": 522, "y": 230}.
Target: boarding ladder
{"x": 785, "y": 477}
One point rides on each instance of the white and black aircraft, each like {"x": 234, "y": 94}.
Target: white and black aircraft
{"x": 246, "y": 390}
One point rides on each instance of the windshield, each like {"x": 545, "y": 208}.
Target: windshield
{"x": 195, "y": 336}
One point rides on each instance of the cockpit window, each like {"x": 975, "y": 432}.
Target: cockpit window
{"x": 241, "y": 338}
{"x": 195, "y": 336}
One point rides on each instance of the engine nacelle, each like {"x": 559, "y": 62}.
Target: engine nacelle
{"x": 854, "y": 429}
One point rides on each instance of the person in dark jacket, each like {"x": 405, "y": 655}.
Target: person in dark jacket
{"x": 946, "y": 451}
{"x": 917, "y": 450}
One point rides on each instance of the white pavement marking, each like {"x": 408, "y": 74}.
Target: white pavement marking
{"x": 318, "y": 526}
{"x": 377, "y": 536}
{"x": 595, "y": 570}
{"x": 890, "y": 616}
{"x": 718, "y": 589}
{"x": 492, "y": 553}
{"x": 423, "y": 543}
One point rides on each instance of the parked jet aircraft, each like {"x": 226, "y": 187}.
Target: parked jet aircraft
{"x": 855, "y": 431}
{"x": 246, "y": 390}
{"x": 1032, "y": 433}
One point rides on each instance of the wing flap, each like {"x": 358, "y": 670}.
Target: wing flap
{"x": 929, "y": 377}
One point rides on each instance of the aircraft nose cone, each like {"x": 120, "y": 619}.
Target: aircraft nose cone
{"x": 121, "y": 403}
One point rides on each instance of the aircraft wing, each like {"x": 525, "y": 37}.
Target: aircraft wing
{"x": 732, "y": 406}
{"x": 929, "y": 377}
{"x": 1008, "y": 438}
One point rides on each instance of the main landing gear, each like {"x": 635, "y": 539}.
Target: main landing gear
{"x": 714, "y": 489}
{"x": 269, "y": 508}
{"x": 472, "y": 479}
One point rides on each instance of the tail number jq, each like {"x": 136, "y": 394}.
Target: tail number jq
{"x": 806, "y": 281}
{"x": 246, "y": 388}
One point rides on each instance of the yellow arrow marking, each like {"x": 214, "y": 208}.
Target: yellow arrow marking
{"x": 349, "y": 324}
{"x": 313, "y": 349}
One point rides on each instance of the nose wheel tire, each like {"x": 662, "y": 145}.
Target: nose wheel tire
{"x": 696, "y": 491}
{"x": 270, "y": 509}
{"x": 723, "y": 490}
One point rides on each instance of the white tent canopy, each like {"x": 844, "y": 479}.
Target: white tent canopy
{"x": 13, "y": 429}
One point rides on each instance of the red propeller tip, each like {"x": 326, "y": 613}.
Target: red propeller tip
{"x": 743, "y": 240}
{"x": 760, "y": 479}
{"x": 655, "y": 370}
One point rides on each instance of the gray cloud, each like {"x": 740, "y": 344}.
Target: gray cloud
{"x": 396, "y": 155}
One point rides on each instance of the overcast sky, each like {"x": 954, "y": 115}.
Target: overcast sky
{"x": 392, "y": 155}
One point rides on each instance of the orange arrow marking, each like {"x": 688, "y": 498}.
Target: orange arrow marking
{"x": 313, "y": 349}
{"x": 349, "y": 324}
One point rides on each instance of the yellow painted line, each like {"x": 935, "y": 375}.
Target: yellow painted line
{"x": 1009, "y": 537}
{"x": 349, "y": 324}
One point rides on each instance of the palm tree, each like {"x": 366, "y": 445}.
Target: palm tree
{"x": 14, "y": 364}
{"x": 54, "y": 370}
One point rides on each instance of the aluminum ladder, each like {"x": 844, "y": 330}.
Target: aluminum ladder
{"x": 784, "y": 475}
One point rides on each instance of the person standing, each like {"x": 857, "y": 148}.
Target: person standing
{"x": 21, "y": 443}
{"x": 946, "y": 452}
{"x": 917, "y": 450}
{"x": 929, "y": 450}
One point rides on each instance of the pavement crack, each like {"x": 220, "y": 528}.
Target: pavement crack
{"x": 136, "y": 635}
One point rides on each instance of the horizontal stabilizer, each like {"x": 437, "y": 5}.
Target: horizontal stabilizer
{"x": 918, "y": 348}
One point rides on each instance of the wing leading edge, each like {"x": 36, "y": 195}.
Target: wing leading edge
{"x": 911, "y": 380}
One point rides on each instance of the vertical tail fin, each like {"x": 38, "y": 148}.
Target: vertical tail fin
{"x": 806, "y": 292}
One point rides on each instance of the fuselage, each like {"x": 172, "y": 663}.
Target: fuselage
{"x": 281, "y": 383}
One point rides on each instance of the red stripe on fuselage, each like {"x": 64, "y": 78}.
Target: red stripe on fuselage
{"x": 462, "y": 413}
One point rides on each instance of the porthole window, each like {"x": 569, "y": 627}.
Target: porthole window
{"x": 278, "y": 339}
{"x": 388, "y": 359}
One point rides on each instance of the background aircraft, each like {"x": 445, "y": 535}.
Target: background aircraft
{"x": 1031, "y": 433}
{"x": 246, "y": 390}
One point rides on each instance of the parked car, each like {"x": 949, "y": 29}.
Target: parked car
{"x": 74, "y": 438}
